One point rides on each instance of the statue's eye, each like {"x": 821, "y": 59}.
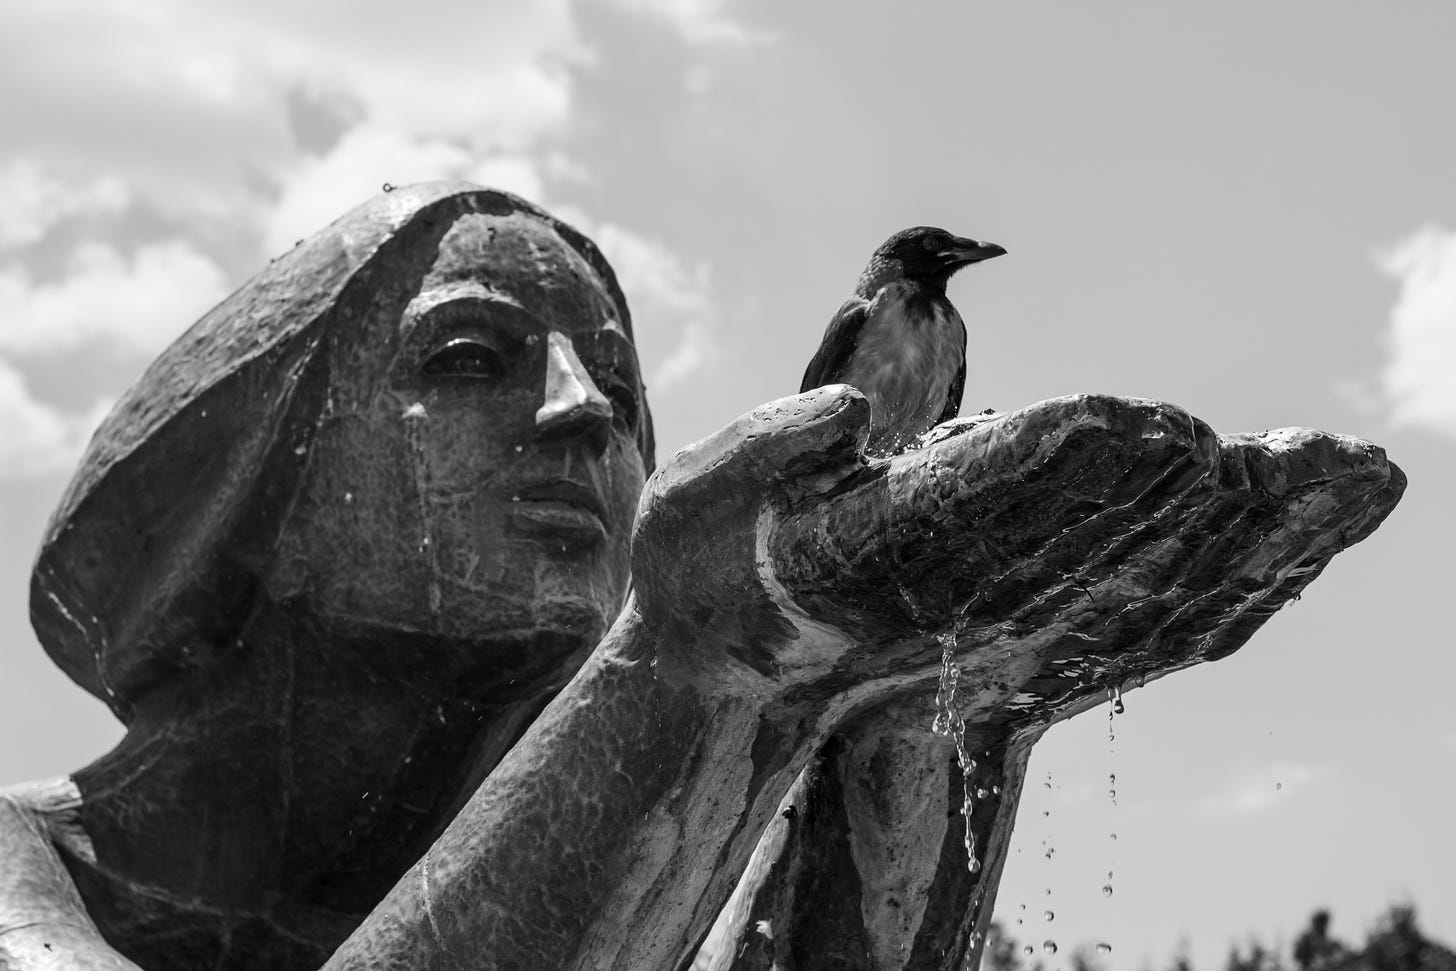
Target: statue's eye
{"x": 466, "y": 357}
{"x": 624, "y": 402}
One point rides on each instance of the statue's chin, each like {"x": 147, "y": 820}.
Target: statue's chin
{"x": 517, "y": 640}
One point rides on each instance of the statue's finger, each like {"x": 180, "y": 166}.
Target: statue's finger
{"x": 771, "y": 447}
{"x": 899, "y": 549}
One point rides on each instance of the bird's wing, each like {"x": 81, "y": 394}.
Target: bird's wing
{"x": 953, "y": 400}
{"x": 840, "y": 338}
{"x": 957, "y": 383}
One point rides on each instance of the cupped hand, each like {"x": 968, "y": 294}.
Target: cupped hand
{"x": 1074, "y": 545}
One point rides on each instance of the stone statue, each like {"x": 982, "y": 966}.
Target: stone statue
{"x": 352, "y": 563}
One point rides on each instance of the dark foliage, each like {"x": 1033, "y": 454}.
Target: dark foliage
{"x": 1395, "y": 943}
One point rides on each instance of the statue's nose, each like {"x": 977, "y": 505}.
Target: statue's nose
{"x": 572, "y": 403}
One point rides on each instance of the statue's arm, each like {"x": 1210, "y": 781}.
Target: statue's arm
{"x": 785, "y": 593}
{"x": 601, "y": 831}
{"x": 43, "y": 922}
{"x": 637, "y": 795}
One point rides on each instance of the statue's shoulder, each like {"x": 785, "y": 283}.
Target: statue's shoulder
{"x": 43, "y": 921}
{"x": 37, "y": 819}
{"x": 38, "y": 816}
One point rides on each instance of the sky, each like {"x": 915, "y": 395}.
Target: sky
{"x": 1244, "y": 208}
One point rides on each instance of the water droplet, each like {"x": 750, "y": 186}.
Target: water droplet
{"x": 1023, "y": 906}
{"x": 348, "y": 497}
{"x": 1046, "y": 812}
{"x": 995, "y": 790}
{"x": 981, "y": 793}
{"x": 1107, "y": 890}
{"x": 1112, "y": 836}
{"x": 1028, "y": 950}
{"x": 949, "y": 724}
{"x": 1103, "y": 948}
{"x": 1114, "y": 698}
{"x": 1049, "y": 946}
{"x": 652, "y": 663}
{"x": 520, "y": 449}
{"x": 1112, "y": 778}
{"x": 1278, "y": 785}
{"x": 1048, "y": 915}
{"x": 1050, "y": 851}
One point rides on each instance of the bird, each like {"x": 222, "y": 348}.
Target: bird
{"x": 898, "y": 339}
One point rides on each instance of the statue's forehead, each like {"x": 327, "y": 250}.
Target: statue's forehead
{"x": 520, "y": 258}
{"x": 513, "y": 245}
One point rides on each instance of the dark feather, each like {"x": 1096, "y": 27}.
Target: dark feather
{"x": 953, "y": 400}
{"x": 840, "y": 339}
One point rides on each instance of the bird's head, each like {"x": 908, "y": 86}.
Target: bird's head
{"x": 926, "y": 254}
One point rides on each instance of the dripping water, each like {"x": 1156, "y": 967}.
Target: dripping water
{"x": 1048, "y": 850}
{"x": 949, "y": 724}
{"x": 1115, "y": 708}
{"x": 415, "y": 417}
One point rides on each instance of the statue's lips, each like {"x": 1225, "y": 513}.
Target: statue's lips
{"x": 560, "y": 506}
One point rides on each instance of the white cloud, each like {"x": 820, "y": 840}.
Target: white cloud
{"x": 138, "y": 303}
{"x": 36, "y": 201}
{"x": 1417, "y": 383}
{"x": 671, "y": 301}
{"x": 162, "y": 108}
{"x": 320, "y": 189}
{"x": 39, "y": 439}
{"x": 185, "y": 105}
{"x": 696, "y": 21}
{"x": 1257, "y": 790}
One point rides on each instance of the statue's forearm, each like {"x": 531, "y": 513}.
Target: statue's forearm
{"x": 598, "y": 836}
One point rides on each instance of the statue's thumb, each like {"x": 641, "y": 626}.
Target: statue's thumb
{"x": 774, "y": 445}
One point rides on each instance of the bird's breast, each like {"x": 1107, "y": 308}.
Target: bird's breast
{"x": 905, "y": 360}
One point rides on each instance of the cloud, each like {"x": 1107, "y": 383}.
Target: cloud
{"x": 1257, "y": 790}
{"x": 696, "y": 21}
{"x": 319, "y": 189}
{"x": 39, "y": 439}
{"x": 671, "y": 301}
{"x": 137, "y": 303}
{"x": 217, "y": 136}
{"x": 1416, "y": 384}
{"x": 35, "y": 202}
{"x": 197, "y": 111}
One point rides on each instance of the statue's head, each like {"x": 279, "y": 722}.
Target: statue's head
{"x": 422, "y": 433}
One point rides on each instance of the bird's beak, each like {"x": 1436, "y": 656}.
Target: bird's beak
{"x": 964, "y": 250}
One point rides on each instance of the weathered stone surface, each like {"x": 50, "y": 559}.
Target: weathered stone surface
{"x": 334, "y": 555}
{"x": 328, "y": 565}
{"x": 782, "y": 616}
{"x": 1112, "y": 565}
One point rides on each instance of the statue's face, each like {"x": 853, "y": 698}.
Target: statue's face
{"x": 472, "y": 498}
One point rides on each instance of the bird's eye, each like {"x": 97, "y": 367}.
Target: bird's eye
{"x": 465, "y": 357}
{"x": 932, "y": 243}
